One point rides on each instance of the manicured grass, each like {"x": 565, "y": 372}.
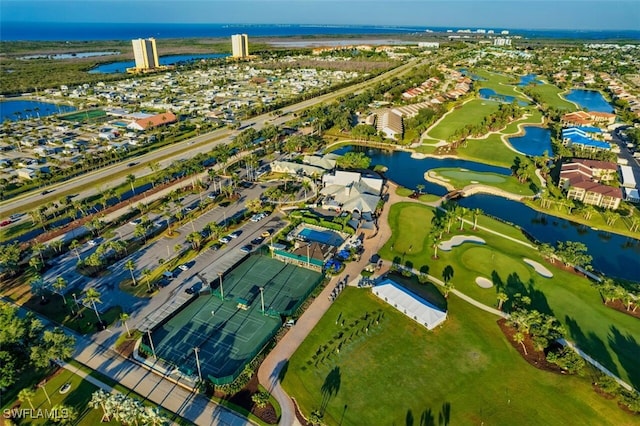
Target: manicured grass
{"x": 492, "y": 150}
{"x": 126, "y": 391}
{"x": 399, "y": 373}
{"x": 472, "y": 112}
{"x": 61, "y": 313}
{"x": 611, "y": 337}
{"x": 550, "y": 95}
{"x": 403, "y": 192}
{"x": 558, "y": 209}
{"x": 77, "y": 397}
{"x": 499, "y": 83}
{"x": 428, "y": 198}
{"x": 460, "y": 178}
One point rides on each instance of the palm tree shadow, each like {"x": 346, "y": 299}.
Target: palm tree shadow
{"x": 330, "y": 387}
{"x": 627, "y": 348}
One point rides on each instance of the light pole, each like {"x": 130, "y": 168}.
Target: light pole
{"x": 221, "y": 289}
{"x": 153, "y": 349}
{"x": 77, "y": 304}
{"x": 196, "y": 350}
{"x": 262, "y": 298}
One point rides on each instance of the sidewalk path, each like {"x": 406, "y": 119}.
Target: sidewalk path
{"x": 276, "y": 361}
{"x": 194, "y": 407}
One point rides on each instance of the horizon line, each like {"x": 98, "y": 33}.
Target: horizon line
{"x": 399, "y": 26}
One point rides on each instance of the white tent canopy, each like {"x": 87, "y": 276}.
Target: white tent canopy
{"x": 409, "y": 303}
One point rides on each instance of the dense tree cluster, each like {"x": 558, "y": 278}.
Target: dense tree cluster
{"x": 354, "y": 160}
{"x": 24, "y": 343}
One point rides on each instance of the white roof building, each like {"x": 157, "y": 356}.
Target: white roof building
{"x": 410, "y": 304}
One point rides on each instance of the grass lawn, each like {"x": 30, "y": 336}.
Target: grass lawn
{"x": 473, "y": 112}
{"x": 492, "y": 150}
{"x": 499, "y": 83}
{"x": 77, "y": 397}
{"x": 550, "y": 95}
{"x": 460, "y": 178}
{"x": 400, "y": 373}
{"x": 611, "y": 337}
{"x": 60, "y": 313}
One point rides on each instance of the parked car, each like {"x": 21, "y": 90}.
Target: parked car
{"x": 257, "y": 241}
{"x": 225, "y": 240}
{"x": 91, "y": 243}
{"x": 267, "y": 233}
{"x": 5, "y": 222}
{"x": 183, "y": 267}
{"x": 235, "y": 234}
{"x": 246, "y": 249}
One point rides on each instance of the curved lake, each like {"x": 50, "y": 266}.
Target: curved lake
{"x": 591, "y": 100}
{"x": 121, "y": 66}
{"x": 15, "y": 110}
{"x": 613, "y": 255}
{"x": 535, "y": 141}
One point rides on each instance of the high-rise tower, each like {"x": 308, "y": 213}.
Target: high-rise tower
{"x": 145, "y": 53}
{"x": 240, "y": 45}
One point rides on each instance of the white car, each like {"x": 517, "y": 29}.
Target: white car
{"x": 91, "y": 243}
{"x": 183, "y": 267}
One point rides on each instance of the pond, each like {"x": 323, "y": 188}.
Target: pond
{"x": 490, "y": 94}
{"x": 121, "y": 66}
{"x": 534, "y": 142}
{"x": 614, "y": 255}
{"x": 591, "y": 100}
{"x": 528, "y": 79}
{"x": 16, "y": 110}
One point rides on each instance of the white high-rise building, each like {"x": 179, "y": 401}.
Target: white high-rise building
{"x": 240, "y": 45}
{"x": 145, "y": 53}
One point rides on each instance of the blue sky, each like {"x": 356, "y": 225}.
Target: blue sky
{"x": 524, "y": 14}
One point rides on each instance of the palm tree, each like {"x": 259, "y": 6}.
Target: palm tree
{"x": 152, "y": 417}
{"x": 131, "y": 178}
{"x": 59, "y": 285}
{"x": 434, "y": 238}
{"x": 38, "y": 247}
{"x": 306, "y": 185}
{"x": 93, "y": 296}
{"x": 147, "y": 273}
{"x": 124, "y": 317}
{"x": 476, "y": 214}
{"x": 99, "y": 399}
{"x": 195, "y": 238}
{"x": 502, "y": 297}
{"x": 131, "y": 266}
{"x": 420, "y": 188}
{"x": 518, "y": 337}
{"x": 74, "y": 246}
{"x": 635, "y": 223}
{"x": 27, "y": 394}
{"x": 462, "y": 212}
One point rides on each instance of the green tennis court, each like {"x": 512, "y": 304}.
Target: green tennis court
{"x": 230, "y": 332}
{"x": 84, "y": 116}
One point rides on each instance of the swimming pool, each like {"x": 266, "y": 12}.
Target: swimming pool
{"x": 323, "y": 237}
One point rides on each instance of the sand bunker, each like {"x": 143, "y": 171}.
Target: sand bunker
{"x": 458, "y": 240}
{"x": 540, "y": 269}
{"x": 484, "y": 282}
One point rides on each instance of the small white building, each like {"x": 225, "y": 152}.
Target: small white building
{"x": 410, "y": 304}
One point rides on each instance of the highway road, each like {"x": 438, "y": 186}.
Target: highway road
{"x": 89, "y": 184}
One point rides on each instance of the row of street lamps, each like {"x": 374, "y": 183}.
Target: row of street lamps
{"x": 196, "y": 349}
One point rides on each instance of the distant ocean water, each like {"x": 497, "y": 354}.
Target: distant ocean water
{"x": 48, "y": 31}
